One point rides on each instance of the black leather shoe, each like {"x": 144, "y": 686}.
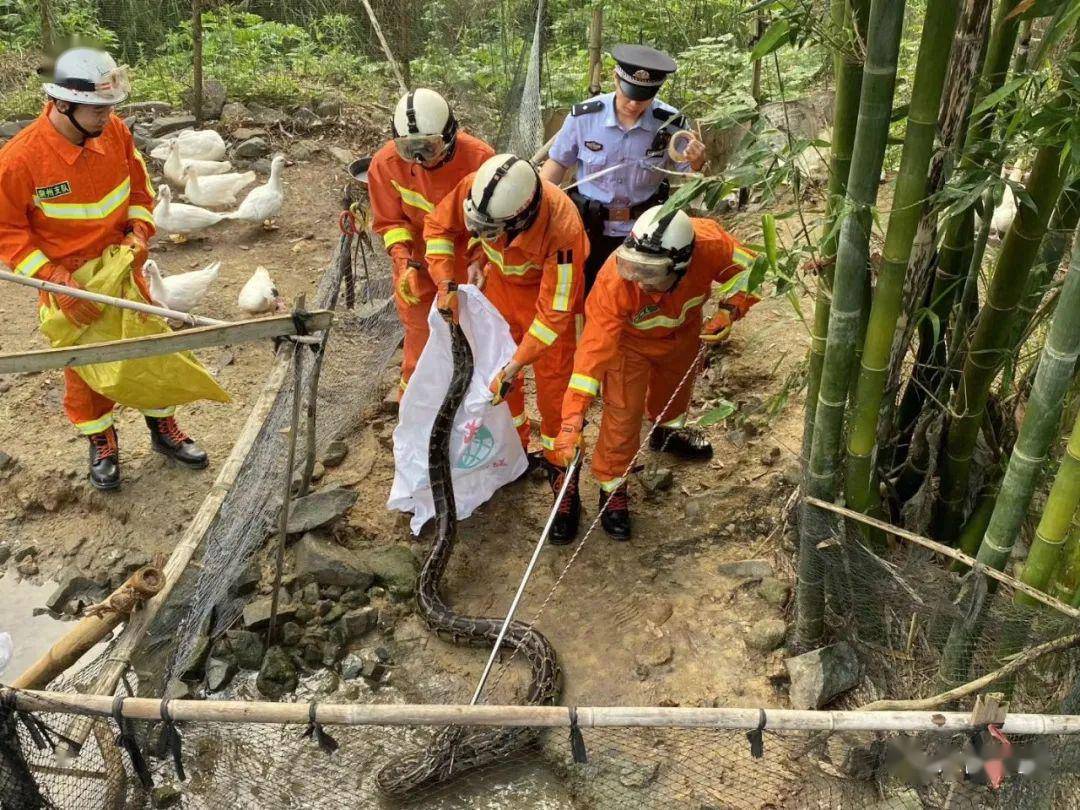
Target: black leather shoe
{"x": 167, "y": 438}
{"x": 686, "y": 443}
{"x": 615, "y": 513}
{"x": 565, "y": 526}
{"x": 104, "y": 460}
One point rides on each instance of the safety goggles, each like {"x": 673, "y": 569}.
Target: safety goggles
{"x": 480, "y": 225}
{"x": 652, "y": 272}
{"x": 420, "y": 148}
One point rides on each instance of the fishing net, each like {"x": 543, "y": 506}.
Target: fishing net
{"x": 521, "y": 131}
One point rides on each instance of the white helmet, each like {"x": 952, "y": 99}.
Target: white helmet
{"x": 658, "y": 246}
{"x": 424, "y": 126}
{"x": 88, "y": 76}
{"x": 505, "y": 196}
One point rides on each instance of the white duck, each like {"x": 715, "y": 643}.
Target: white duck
{"x": 259, "y": 294}
{"x": 181, "y": 292}
{"x": 177, "y": 219}
{"x": 215, "y": 189}
{"x": 264, "y": 202}
{"x": 1004, "y": 214}
{"x": 195, "y": 144}
{"x": 175, "y": 166}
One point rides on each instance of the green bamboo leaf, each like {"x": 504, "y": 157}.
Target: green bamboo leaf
{"x": 772, "y": 40}
{"x": 717, "y": 414}
{"x": 768, "y": 231}
{"x": 1030, "y": 9}
{"x": 761, "y": 5}
{"x": 999, "y": 95}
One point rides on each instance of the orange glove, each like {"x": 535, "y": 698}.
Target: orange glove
{"x": 78, "y": 311}
{"x": 407, "y": 289}
{"x": 503, "y": 382}
{"x": 569, "y": 442}
{"x": 138, "y": 247}
{"x": 718, "y": 329}
{"x": 446, "y": 301}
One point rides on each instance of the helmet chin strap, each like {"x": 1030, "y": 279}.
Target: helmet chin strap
{"x": 69, "y": 114}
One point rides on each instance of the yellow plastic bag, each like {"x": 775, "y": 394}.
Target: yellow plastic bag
{"x": 144, "y": 383}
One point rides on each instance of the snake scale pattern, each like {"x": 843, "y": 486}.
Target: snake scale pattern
{"x": 456, "y": 749}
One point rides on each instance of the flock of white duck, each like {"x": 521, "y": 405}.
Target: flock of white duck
{"x": 193, "y": 161}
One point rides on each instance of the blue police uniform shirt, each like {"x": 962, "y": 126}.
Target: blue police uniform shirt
{"x": 594, "y": 141}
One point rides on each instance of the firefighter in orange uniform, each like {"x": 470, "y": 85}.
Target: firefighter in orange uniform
{"x": 643, "y": 324}
{"x": 71, "y": 185}
{"x": 535, "y": 245}
{"x": 407, "y": 178}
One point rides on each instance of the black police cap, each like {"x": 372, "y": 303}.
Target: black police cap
{"x": 641, "y": 69}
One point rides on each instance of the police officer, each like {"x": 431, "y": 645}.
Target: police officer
{"x": 627, "y": 131}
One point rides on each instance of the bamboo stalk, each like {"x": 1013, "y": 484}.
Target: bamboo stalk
{"x": 122, "y": 303}
{"x": 596, "y": 38}
{"x": 1066, "y": 586}
{"x": 200, "y": 337}
{"x": 357, "y": 714}
{"x": 394, "y": 66}
{"x": 946, "y": 551}
{"x": 849, "y": 280}
{"x": 141, "y": 585}
{"x": 196, "y": 62}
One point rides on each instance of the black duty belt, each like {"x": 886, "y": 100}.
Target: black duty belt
{"x": 595, "y": 214}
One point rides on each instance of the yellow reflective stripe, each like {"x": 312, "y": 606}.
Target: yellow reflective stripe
{"x": 677, "y": 422}
{"x": 664, "y": 320}
{"x": 149, "y": 186}
{"x": 91, "y": 210}
{"x": 506, "y": 269}
{"x": 138, "y": 212}
{"x": 742, "y": 257}
{"x": 585, "y": 384}
{"x": 563, "y": 284}
{"x": 612, "y": 485}
{"x": 159, "y": 413}
{"x": 96, "y": 425}
{"x": 440, "y": 247}
{"x": 33, "y": 262}
{"x": 542, "y": 332}
{"x": 413, "y": 198}
{"x": 395, "y": 236}
{"x": 520, "y": 419}
{"x": 547, "y": 442}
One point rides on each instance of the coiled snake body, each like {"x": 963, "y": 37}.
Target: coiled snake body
{"x": 457, "y": 749}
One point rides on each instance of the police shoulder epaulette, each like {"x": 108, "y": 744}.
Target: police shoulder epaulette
{"x": 587, "y": 107}
{"x": 672, "y": 117}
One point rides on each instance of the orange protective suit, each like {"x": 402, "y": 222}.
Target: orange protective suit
{"x": 61, "y": 205}
{"x": 402, "y": 194}
{"x": 537, "y": 283}
{"x": 639, "y": 345}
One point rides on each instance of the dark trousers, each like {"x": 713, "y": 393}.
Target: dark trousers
{"x": 600, "y": 247}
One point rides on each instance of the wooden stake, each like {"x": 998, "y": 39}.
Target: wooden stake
{"x": 386, "y": 48}
{"x": 200, "y": 337}
{"x": 596, "y": 28}
{"x": 926, "y": 542}
{"x": 196, "y": 62}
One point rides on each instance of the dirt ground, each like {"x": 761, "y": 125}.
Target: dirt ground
{"x": 651, "y": 622}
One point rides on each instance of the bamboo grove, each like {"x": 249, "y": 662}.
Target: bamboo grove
{"x": 942, "y": 391}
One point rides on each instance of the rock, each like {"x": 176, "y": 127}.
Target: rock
{"x": 318, "y": 509}
{"x": 820, "y": 675}
{"x": 358, "y": 622}
{"x": 771, "y": 457}
{"x": 290, "y": 634}
{"x": 319, "y": 560}
{"x": 304, "y": 613}
{"x": 342, "y": 155}
{"x": 218, "y": 673}
{"x": 247, "y": 648}
{"x": 766, "y": 635}
{"x": 27, "y": 567}
{"x": 335, "y": 613}
{"x": 659, "y": 612}
{"x": 192, "y": 668}
{"x": 167, "y": 124}
{"x": 310, "y": 594}
{"x": 323, "y": 607}
{"x": 382, "y": 654}
{"x": 5, "y": 554}
{"x": 213, "y": 98}
{"x": 257, "y": 613}
{"x": 304, "y": 150}
{"x": 265, "y": 116}
{"x": 260, "y": 166}
{"x": 396, "y": 568}
{"x": 9, "y": 129}
{"x": 332, "y": 651}
{"x": 144, "y": 108}
{"x": 277, "y": 675}
{"x": 176, "y": 689}
{"x": 746, "y": 569}
{"x": 252, "y": 148}
{"x": 659, "y": 480}
{"x": 8, "y": 461}
{"x": 247, "y": 133}
{"x": 305, "y": 118}
{"x": 332, "y": 592}
{"x": 655, "y": 653}
{"x": 247, "y": 581}
{"x": 774, "y": 591}
{"x": 23, "y": 552}
{"x": 313, "y": 653}
{"x": 352, "y": 665}
{"x": 374, "y": 672}
{"x": 328, "y": 108}
{"x": 638, "y": 775}
{"x": 334, "y": 454}
{"x": 353, "y": 599}
{"x": 165, "y": 796}
{"x": 235, "y": 112}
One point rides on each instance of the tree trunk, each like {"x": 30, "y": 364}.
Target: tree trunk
{"x": 871, "y": 133}
{"x": 910, "y": 194}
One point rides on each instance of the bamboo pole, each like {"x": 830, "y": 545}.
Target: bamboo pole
{"x": 364, "y": 714}
{"x": 394, "y": 66}
{"x": 596, "y": 29}
{"x": 196, "y": 62}
{"x": 197, "y": 338}
{"x": 98, "y": 298}
{"x": 136, "y": 629}
{"x": 140, "y": 586}
{"x": 946, "y": 551}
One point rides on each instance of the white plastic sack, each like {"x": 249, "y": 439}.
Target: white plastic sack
{"x": 485, "y": 451}
{"x": 7, "y": 650}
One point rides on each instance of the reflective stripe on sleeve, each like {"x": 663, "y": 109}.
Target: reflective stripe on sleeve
{"x": 521, "y": 419}
{"x": 585, "y": 384}
{"x": 413, "y": 198}
{"x": 139, "y": 212}
{"x": 547, "y": 442}
{"x": 440, "y": 247}
{"x": 563, "y": 284}
{"x": 542, "y": 332}
{"x": 33, "y": 262}
{"x": 395, "y": 236}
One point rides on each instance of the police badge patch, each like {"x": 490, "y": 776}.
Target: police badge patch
{"x": 53, "y": 191}
{"x": 594, "y": 146}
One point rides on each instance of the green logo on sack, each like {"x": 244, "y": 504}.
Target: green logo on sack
{"x": 477, "y": 448}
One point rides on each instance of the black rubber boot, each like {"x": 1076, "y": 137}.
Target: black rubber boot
{"x": 104, "y": 460}
{"x": 685, "y": 443}
{"x": 167, "y": 438}
{"x": 615, "y": 513}
{"x": 565, "y": 526}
